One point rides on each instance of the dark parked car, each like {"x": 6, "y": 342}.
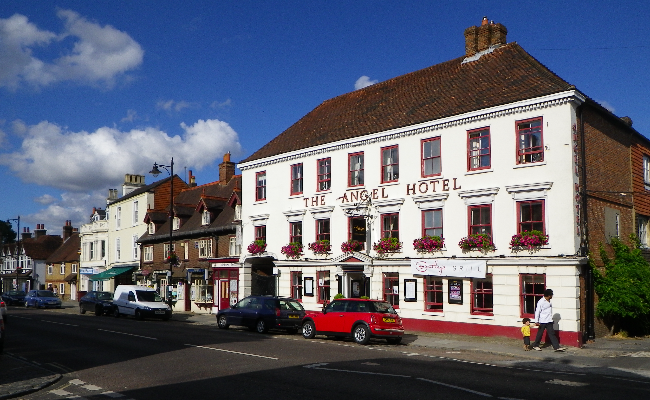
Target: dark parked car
{"x": 100, "y": 303}
{"x": 14, "y": 297}
{"x": 357, "y": 318}
{"x": 42, "y": 299}
{"x": 262, "y": 313}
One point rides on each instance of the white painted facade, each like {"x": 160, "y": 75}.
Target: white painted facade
{"x": 94, "y": 253}
{"x": 502, "y": 186}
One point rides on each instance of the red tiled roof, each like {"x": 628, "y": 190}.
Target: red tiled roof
{"x": 67, "y": 252}
{"x": 506, "y": 75}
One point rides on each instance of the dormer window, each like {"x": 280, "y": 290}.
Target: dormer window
{"x": 238, "y": 212}
{"x": 206, "y": 217}
{"x": 152, "y": 228}
{"x": 177, "y": 223}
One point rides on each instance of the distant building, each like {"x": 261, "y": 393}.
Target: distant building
{"x": 94, "y": 251}
{"x": 63, "y": 265}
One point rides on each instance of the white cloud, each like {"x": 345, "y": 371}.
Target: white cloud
{"x": 364, "y": 81}
{"x": 70, "y": 206}
{"x": 45, "y": 199}
{"x": 131, "y": 115}
{"x": 84, "y": 161}
{"x": 99, "y": 54}
{"x": 171, "y": 105}
{"x": 217, "y": 105}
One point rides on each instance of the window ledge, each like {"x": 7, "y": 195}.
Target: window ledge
{"x": 391, "y": 183}
{"x": 484, "y": 317}
{"x": 259, "y": 202}
{"x": 434, "y": 313}
{"x": 479, "y": 171}
{"x": 535, "y": 164}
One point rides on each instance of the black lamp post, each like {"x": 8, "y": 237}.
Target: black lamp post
{"x": 155, "y": 172}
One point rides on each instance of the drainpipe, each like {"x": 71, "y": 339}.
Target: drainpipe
{"x": 584, "y": 245}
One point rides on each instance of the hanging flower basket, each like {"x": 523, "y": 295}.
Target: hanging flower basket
{"x": 530, "y": 240}
{"x": 351, "y": 246}
{"x": 320, "y": 247}
{"x": 387, "y": 245}
{"x": 292, "y": 250}
{"x": 477, "y": 241}
{"x": 428, "y": 244}
{"x": 172, "y": 259}
{"x": 257, "y": 247}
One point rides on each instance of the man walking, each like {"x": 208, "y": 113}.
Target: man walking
{"x": 544, "y": 320}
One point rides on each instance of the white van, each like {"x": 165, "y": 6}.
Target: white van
{"x": 139, "y": 301}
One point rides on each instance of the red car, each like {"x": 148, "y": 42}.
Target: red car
{"x": 361, "y": 319}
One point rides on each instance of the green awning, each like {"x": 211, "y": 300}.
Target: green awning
{"x": 110, "y": 273}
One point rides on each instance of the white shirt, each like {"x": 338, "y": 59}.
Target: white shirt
{"x": 543, "y": 311}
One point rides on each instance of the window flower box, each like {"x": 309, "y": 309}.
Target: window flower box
{"x": 387, "y": 245}
{"x": 292, "y": 250}
{"x": 428, "y": 244}
{"x": 172, "y": 259}
{"x": 530, "y": 240}
{"x": 477, "y": 241}
{"x": 351, "y": 246}
{"x": 257, "y": 247}
{"x": 320, "y": 247}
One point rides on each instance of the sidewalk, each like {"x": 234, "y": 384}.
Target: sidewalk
{"x": 611, "y": 356}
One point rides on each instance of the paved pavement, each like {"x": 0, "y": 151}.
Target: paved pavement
{"x": 629, "y": 358}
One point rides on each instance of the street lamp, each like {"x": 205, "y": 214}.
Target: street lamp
{"x": 155, "y": 172}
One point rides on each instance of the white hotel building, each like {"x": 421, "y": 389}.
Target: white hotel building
{"x": 486, "y": 143}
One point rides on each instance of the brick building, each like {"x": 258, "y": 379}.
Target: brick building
{"x": 63, "y": 264}
{"x": 204, "y": 239}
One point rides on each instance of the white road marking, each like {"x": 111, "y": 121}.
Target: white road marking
{"x": 319, "y": 366}
{"x": 566, "y": 383}
{"x": 77, "y": 382}
{"x": 128, "y": 334}
{"x": 57, "y": 323}
{"x": 113, "y": 394}
{"x": 60, "y": 392}
{"x": 456, "y": 387}
{"x": 231, "y": 351}
{"x": 91, "y": 387}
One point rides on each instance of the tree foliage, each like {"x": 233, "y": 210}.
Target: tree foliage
{"x": 7, "y": 234}
{"x": 623, "y": 287}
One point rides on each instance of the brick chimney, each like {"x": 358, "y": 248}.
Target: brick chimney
{"x": 479, "y": 38}
{"x": 26, "y": 234}
{"x": 226, "y": 169}
{"x": 39, "y": 231}
{"x": 191, "y": 179}
{"x": 67, "y": 230}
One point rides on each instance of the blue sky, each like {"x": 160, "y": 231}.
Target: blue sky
{"x": 93, "y": 90}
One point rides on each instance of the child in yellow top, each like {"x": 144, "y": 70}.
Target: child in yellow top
{"x": 525, "y": 331}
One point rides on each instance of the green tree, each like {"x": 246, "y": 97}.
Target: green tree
{"x": 623, "y": 288}
{"x": 7, "y": 234}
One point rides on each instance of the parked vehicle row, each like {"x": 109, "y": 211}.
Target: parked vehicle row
{"x": 42, "y": 299}
{"x": 360, "y": 319}
{"x": 14, "y": 297}
{"x": 138, "y": 301}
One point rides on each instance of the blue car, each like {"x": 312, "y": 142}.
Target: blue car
{"x": 262, "y": 313}
{"x": 42, "y": 299}
{"x": 14, "y": 297}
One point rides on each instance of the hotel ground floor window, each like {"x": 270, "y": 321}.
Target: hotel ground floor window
{"x": 391, "y": 287}
{"x": 323, "y": 285}
{"x": 532, "y": 289}
{"x": 482, "y": 295}
{"x": 433, "y": 297}
{"x": 296, "y": 285}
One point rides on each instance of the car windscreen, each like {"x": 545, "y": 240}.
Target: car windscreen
{"x": 292, "y": 305}
{"x": 104, "y": 296}
{"x": 45, "y": 293}
{"x": 383, "y": 307}
{"x": 148, "y": 295}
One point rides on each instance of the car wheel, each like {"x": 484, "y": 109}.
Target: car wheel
{"x": 394, "y": 340}
{"x": 81, "y": 310}
{"x": 222, "y": 322}
{"x": 116, "y": 312}
{"x": 98, "y": 311}
{"x": 361, "y": 334}
{"x": 308, "y": 330}
{"x": 261, "y": 327}
{"x": 138, "y": 315}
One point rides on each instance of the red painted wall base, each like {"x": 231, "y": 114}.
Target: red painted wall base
{"x": 566, "y": 338}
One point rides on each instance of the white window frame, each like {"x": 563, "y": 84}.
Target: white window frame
{"x": 148, "y": 253}
{"x": 646, "y": 172}
{"x": 61, "y": 289}
{"x": 91, "y": 250}
{"x": 118, "y": 217}
{"x": 166, "y": 250}
{"x": 135, "y": 213}
{"x": 62, "y": 269}
{"x": 234, "y": 249}
{"x": 117, "y": 249}
{"x": 177, "y": 223}
{"x": 205, "y": 217}
{"x": 74, "y": 268}
{"x": 136, "y": 248}
{"x": 50, "y": 269}
{"x": 152, "y": 228}
{"x": 205, "y": 248}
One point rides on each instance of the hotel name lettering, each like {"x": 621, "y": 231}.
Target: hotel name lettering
{"x": 353, "y": 196}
